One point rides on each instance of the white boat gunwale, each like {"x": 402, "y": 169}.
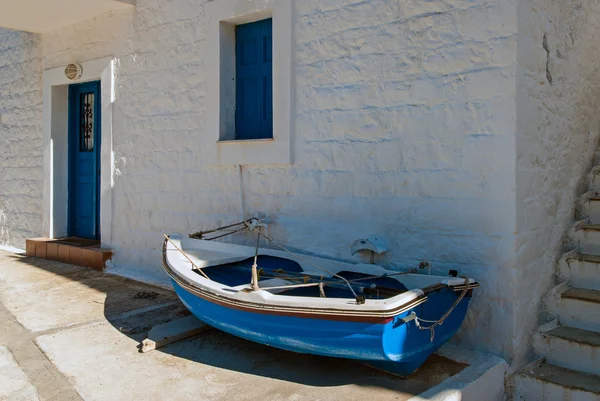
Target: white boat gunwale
{"x": 263, "y": 301}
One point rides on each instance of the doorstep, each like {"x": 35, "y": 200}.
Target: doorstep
{"x": 73, "y": 250}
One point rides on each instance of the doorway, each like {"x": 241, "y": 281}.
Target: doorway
{"x": 84, "y": 160}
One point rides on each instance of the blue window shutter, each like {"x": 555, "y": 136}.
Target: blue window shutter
{"x": 254, "y": 80}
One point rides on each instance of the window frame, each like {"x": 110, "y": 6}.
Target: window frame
{"x": 219, "y": 143}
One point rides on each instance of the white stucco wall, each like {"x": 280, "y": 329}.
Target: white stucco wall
{"x": 404, "y": 127}
{"x": 558, "y": 127}
{"x": 21, "y": 171}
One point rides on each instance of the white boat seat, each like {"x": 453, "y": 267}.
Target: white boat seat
{"x": 204, "y": 258}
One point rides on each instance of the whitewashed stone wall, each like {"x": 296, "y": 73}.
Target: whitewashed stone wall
{"x": 404, "y": 127}
{"x": 21, "y": 172}
{"x": 558, "y": 125}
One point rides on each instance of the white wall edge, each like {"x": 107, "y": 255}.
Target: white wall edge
{"x": 11, "y": 249}
{"x": 99, "y": 69}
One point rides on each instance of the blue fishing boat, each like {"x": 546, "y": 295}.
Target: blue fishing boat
{"x": 388, "y": 319}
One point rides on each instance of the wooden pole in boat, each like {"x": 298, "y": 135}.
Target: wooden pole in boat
{"x": 254, "y": 280}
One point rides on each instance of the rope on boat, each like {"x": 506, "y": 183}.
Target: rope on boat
{"x": 290, "y": 276}
{"x": 441, "y": 320}
{"x": 187, "y": 257}
{"x": 306, "y": 277}
{"x": 283, "y": 248}
{"x": 234, "y": 228}
{"x": 411, "y": 271}
{"x": 279, "y": 287}
{"x": 322, "y": 290}
{"x": 254, "y": 224}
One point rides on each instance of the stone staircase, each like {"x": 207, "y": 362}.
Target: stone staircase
{"x": 569, "y": 344}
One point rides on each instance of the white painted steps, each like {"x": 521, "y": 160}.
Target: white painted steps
{"x": 581, "y": 270}
{"x": 570, "y": 347}
{"x": 579, "y": 308}
{"x": 569, "y": 369}
{"x": 542, "y": 381}
{"x": 594, "y": 179}
{"x": 592, "y": 207}
{"x": 587, "y": 237}
{"x": 582, "y": 294}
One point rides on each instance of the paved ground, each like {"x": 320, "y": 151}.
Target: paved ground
{"x": 71, "y": 333}
{"x": 14, "y": 384}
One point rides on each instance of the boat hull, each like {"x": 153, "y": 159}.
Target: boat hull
{"x": 392, "y": 344}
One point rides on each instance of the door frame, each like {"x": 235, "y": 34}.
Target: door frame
{"x": 72, "y": 141}
{"x": 55, "y": 147}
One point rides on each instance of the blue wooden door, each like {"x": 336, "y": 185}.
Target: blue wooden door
{"x": 254, "y": 85}
{"x": 84, "y": 160}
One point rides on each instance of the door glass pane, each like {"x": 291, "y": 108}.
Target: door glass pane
{"x": 86, "y": 134}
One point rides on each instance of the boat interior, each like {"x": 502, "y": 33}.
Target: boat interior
{"x": 277, "y": 272}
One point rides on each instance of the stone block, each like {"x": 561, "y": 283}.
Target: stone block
{"x": 91, "y": 258}
{"x": 75, "y": 256}
{"x": 52, "y": 251}
{"x": 30, "y": 247}
{"x": 63, "y": 253}
{"x": 40, "y": 250}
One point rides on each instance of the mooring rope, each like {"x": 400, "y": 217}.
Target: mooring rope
{"x": 441, "y": 320}
{"x": 187, "y": 257}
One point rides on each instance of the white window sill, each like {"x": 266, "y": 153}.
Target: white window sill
{"x": 252, "y": 151}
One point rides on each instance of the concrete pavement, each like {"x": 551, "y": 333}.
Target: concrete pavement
{"x": 71, "y": 333}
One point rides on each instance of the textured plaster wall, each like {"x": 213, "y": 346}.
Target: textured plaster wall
{"x": 21, "y": 172}
{"x": 404, "y": 127}
{"x": 558, "y": 125}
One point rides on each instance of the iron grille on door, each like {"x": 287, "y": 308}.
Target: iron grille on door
{"x": 86, "y": 136}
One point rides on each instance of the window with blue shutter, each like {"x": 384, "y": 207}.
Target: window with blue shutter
{"x": 254, "y": 80}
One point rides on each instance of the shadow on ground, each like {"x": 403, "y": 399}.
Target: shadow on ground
{"x": 132, "y": 308}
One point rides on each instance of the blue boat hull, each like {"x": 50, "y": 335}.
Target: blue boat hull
{"x": 393, "y": 345}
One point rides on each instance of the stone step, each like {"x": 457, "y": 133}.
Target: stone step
{"x": 579, "y": 308}
{"x": 594, "y": 179}
{"x": 587, "y": 237}
{"x": 581, "y": 270}
{"x": 582, "y": 294}
{"x": 570, "y": 347}
{"x": 593, "y": 208}
{"x": 544, "y": 381}
{"x": 72, "y": 250}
